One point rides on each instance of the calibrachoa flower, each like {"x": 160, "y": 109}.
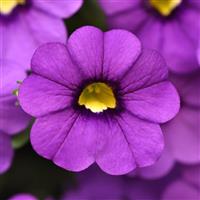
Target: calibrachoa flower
{"x": 12, "y": 118}
{"x": 168, "y": 26}
{"x": 100, "y": 98}
{"x": 25, "y": 24}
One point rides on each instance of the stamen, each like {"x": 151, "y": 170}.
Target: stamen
{"x": 165, "y": 7}
{"x": 97, "y": 97}
{"x": 7, "y": 6}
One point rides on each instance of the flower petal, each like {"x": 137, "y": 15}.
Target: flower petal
{"x": 150, "y": 68}
{"x": 151, "y": 33}
{"x": 182, "y": 132}
{"x": 10, "y": 74}
{"x": 130, "y": 143}
{"x": 113, "y": 7}
{"x": 33, "y": 26}
{"x": 86, "y": 48}
{"x": 114, "y": 155}
{"x": 39, "y": 96}
{"x": 179, "y": 49}
{"x": 161, "y": 168}
{"x": 44, "y": 27}
{"x": 62, "y": 9}
{"x": 188, "y": 23}
{"x": 74, "y": 141}
{"x": 12, "y": 118}
{"x": 6, "y": 152}
{"x": 67, "y": 138}
{"x": 194, "y": 3}
{"x": 96, "y": 54}
{"x": 129, "y": 20}
{"x": 188, "y": 88}
{"x": 53, "y": 62}
{"x": 157, "y": 103}
{"x": 121, "y": 49}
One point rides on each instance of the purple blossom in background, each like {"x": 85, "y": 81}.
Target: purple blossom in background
{"x": 100, "y": 98}
{"x": 12, "y": 118}
{"x": 29, "y": 23}
{"x": 174, "y": 34}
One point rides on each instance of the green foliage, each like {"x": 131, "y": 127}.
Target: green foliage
{"x": 89, "y": 14}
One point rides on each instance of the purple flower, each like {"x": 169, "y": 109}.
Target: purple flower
{"x": 100, "y": 98}
{"x": 12, "y": 118}
{"x": 25, "y": 24}
{"x": 170, "y": 27}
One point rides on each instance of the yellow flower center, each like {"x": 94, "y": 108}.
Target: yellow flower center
{"x": 97, "y": 97}
{"x": 165, "y": 7}
{"x": 7, "y": 6}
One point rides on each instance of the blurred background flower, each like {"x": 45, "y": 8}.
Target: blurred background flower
{"x": 12, "y": 118}
{"x": 26, "y": 24}
{"x": 169, "y": 26}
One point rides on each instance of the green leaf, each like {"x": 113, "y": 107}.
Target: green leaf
{"x": 21, "y": 139}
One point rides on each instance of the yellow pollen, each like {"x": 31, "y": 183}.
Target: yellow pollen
{"x": 165, "y": 7}
{"x": 6, "y": 6}
{"x": 97, "y": 97}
